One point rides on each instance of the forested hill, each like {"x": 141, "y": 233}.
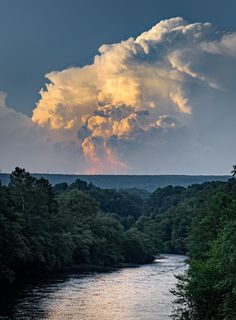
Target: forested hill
{"x": 47, "y": 229}
{"x": 146, "y": 182}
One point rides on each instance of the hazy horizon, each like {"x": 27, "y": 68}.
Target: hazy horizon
{"x": 124, "y": 174}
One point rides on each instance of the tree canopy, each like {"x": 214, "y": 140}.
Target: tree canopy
{"x": 45, "y": 229}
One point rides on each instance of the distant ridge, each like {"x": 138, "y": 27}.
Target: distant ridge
{"x": 146, "y": 182}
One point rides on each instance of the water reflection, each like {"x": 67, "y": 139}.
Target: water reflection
{"x": 130, "y": 294}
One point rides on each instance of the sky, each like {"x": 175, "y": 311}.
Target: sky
{"x": 85, "y": 90}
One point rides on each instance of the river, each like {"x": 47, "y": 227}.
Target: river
{"x": 140, "y": 293}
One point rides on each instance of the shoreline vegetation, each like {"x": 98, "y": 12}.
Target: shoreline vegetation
{"x": 47, "y": 230}
{"x": 31, "y": 278}
{"x": 34, "y": 278}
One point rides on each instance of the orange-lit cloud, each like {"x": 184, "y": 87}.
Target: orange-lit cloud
{"x": 155, "y": 93}
{"x": 109, "y": 96}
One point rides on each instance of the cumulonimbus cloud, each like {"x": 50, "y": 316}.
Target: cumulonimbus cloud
{"x": 134, "y": 87}
{"x": 151, "y": 91}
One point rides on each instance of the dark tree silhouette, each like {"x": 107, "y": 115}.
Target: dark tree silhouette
{"x": 234, "y": 171}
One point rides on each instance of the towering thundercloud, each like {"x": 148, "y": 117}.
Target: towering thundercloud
{"x": 160, "y": 101}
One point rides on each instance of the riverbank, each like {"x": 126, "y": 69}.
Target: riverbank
{"x": 127, "y": 293}
{"x": 31, "y": 278}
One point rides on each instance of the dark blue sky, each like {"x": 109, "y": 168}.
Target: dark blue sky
{"x": 39, "y": 36}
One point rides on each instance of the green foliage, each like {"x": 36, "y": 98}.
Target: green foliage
{"x": 208, "y": 290}
{"x": 44, "y": 229}
{"x": 12, "y": 243}
{"x": 107, "y": 242}
{"x": 123, "y": 202}
{"x": 120, "y": 202}
{"x": 164, "y": 198}
{"x": 138, "y": 247}
{"x": 60, "y": 188}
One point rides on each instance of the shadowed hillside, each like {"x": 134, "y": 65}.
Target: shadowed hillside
{"x": 146, "y": 182}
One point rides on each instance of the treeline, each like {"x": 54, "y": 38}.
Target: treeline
{"x": 208, "y": 290}
{"x": 45, "y": 228}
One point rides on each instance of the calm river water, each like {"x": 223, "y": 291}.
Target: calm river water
{"x": 140, "y": 293}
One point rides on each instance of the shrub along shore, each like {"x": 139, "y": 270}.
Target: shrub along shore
{"x": 45, "y": 230}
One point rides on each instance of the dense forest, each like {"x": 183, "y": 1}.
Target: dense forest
{"x": 47, "y": 228}
{"x": 208, "y": 290}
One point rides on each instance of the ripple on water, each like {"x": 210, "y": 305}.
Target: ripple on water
{"x": 140, "y": 293}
